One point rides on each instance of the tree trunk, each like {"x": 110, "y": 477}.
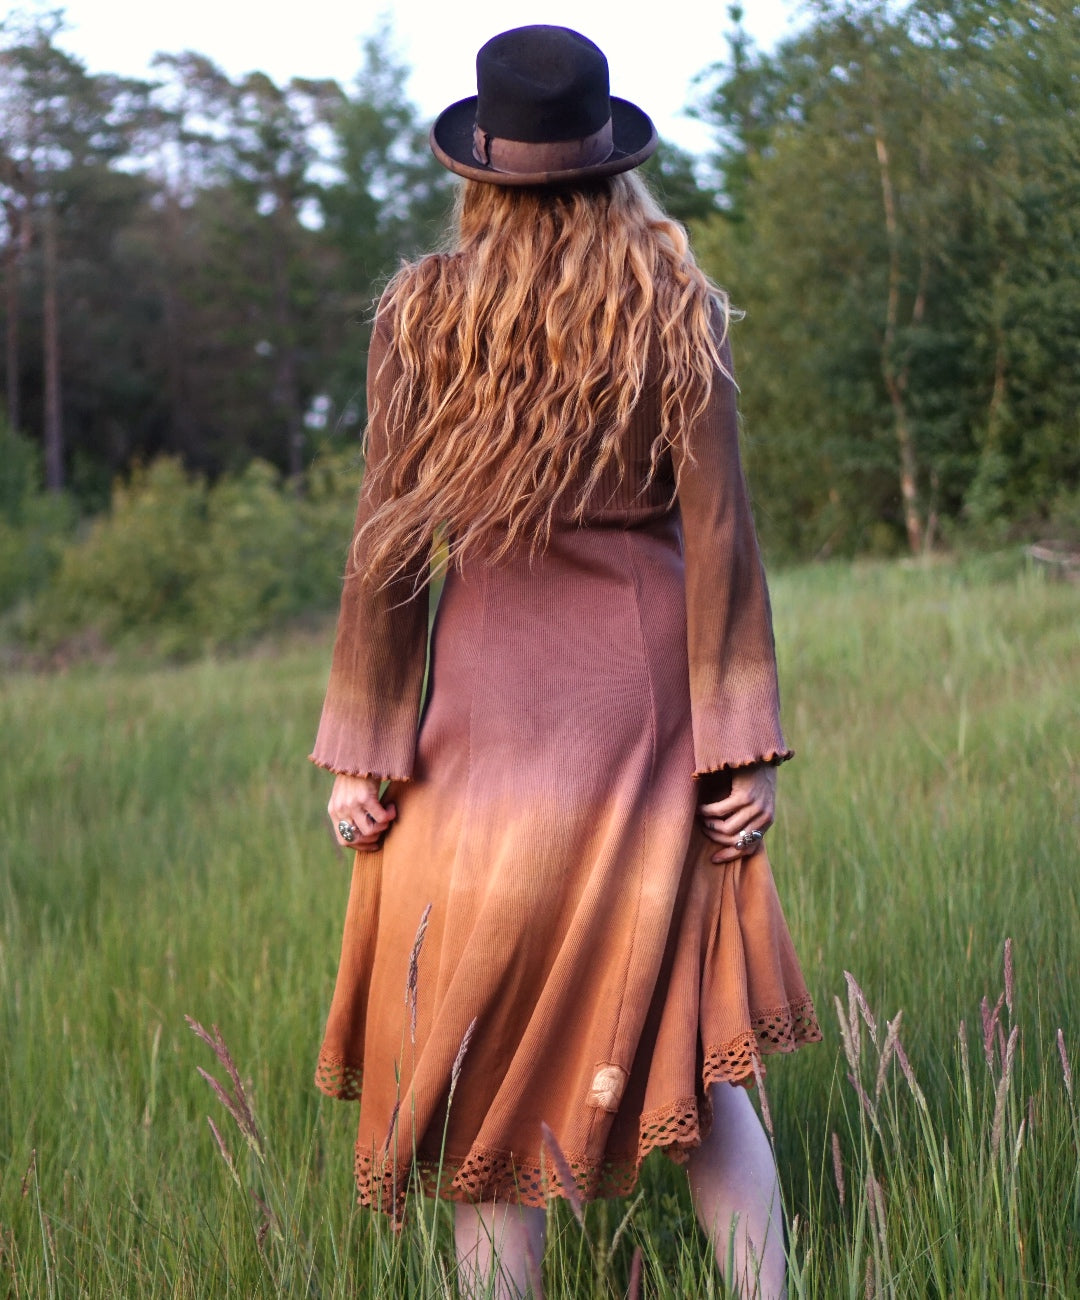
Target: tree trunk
{"x": 896, "y": 379}
{"x": 287, "y": 377}
{"x": 54, "y": 431}
{"x": 181, "y": 420}
{"x": 11, "y": 349}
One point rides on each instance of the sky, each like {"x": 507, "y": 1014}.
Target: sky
{"x": 652, "y": 62}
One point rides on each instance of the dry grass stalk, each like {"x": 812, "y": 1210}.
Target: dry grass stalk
{"x": 267, "y": 1224}
{"x": 9, "y": 1256}
{"x": 31, "y": 1170}
{"x": 864, "y": 1100}
{"x": 533, "y": 1276}
{"x": 892, "y": 1035}
{"x": 876, "y": 1197}
{"x": 1019, "y": 1140}
{"x": 393, "y": 1127}
{"x": 848, "y": 1035}
{"x": 1066, "y": 1069}
{"x": 633, "y": 1291}
{"x": 838, "y": 1169}
{"x": 856, "y": 995}
{"x": 226, "y": 1155}
{"x": 1002, "y": 1092}
{"x": 759, "y": 1080}
{"x": 235, "y": 1102}
{"x": 1009, "y": 985}
{"x": 412, "y": 983}
{"x": 566, "y": 1177}
{"x": 909, "y": 1075}
{"x": 991, "y": 1025}
{"x": 965, "y": 1063}
{"x": 624, "y": 1223}
{"x": 459, "y": 1059}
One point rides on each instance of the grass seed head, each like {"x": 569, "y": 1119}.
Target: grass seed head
{"x": 566, "y": 1177}
{"x": 855, "y": 993}
{"x": 413, "y": 981}
{"x": 1009, "y": 986}
{"x": 892, "y": 1034}
{"x": 851, "y": 1048}
{"x": 759, "y": 1080}
{"x": 459, "y": 1059}
{"x": 1002, "y": 1091}
{"x": 990, "y": 1024}
{"x": 838, "y": 1168}
{"x": 909, "y": 1075}
{"x": 31, "y": 1169}
{"x": 389, "y": 1141}
{"x": 1066, "y": 1068}
{"x": 965, "y": 1061}
{"x": 235, "y": 1102}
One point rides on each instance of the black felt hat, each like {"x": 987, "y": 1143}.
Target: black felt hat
{"x": 542, "y": 114}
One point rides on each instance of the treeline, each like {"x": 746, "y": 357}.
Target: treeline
{"x": 189, "y": 265}
{"x": 900, "y": 219}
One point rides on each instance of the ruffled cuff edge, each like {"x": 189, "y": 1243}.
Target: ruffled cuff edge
{"x": 355, "y": 771}
{"x": 771, "y": 758}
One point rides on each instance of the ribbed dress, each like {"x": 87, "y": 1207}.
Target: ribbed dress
{"x": 542, "y": 938}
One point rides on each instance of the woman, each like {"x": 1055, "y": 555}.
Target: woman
{"x": 539, "y": 930}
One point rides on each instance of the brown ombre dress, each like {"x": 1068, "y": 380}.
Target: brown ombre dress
{"x": 542, "y": 938}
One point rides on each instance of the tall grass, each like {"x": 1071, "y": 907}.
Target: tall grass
{"x": 164, "y": 854}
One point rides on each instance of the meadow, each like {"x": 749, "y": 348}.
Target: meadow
{"x": 164, "y": 853}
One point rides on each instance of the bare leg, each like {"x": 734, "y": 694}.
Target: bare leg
{"x": 499, "y": 1249}
{"x": 733, "y": 1178}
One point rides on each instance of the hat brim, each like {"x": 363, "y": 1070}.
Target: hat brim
{"x": 632, "y": 132}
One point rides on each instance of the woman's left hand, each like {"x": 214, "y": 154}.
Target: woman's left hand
{"x": 749, "y": 807}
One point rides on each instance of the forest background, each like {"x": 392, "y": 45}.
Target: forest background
{"x": 190, "y": 264}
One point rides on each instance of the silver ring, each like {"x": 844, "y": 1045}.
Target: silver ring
{"x": 745, "y": 838}
{"x": 347, "y": 831}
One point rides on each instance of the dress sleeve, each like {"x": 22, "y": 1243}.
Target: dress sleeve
{"x": 734, "y": 696}
{"x": 372, "y": 706}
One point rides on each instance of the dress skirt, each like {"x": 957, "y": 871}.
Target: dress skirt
{"x": 542, "y": 938}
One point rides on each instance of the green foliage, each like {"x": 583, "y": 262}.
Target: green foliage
{"x": 900, "y": 225}
{"x": 179, "y": 567}
{"x": 930, "y": 814}
{"x": 34, "y": 525}
{"x": 897, "y": 211}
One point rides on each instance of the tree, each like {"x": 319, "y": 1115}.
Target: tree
{"x": 60, "y": 125}
{"x": 885, "y": 174}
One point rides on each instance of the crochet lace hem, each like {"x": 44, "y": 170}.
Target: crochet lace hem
{"x": 337, "y": 1078}
{"x": 486, "y": 1174}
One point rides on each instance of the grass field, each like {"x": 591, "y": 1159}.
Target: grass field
{"x": 163, "y": 853}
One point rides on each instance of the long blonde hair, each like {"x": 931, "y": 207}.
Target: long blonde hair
{"x": 523, "y": 353}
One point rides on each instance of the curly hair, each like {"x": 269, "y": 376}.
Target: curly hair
{"x": 523, "y": 351}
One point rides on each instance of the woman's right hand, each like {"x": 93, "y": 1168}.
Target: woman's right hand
{"x": 354, "y": 801}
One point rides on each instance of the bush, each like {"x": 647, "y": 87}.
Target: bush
{"x": 133, "y": 572}
{"x": 179, "y": 567}
{"x": 34, "y": 525}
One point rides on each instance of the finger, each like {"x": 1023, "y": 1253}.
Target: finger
{"x": 732, "y": 852}
{"x": 725, "y": 830}
{"x": 370, "y": 812}
{"x": 738, "y": 798}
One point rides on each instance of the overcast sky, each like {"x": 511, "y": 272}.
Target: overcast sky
{"x": 652, "y": 63}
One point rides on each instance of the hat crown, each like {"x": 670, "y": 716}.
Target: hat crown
{"x": 539, "y": 84}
